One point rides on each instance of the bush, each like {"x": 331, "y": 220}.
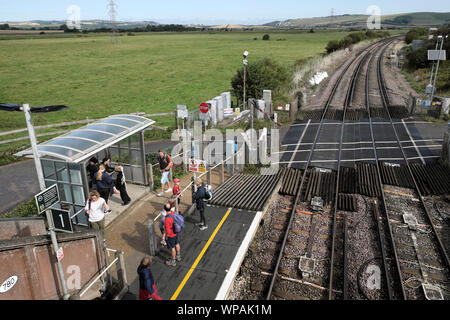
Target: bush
{"x": 353, "y": 38}
{"x": 266, "y": 37}
{"x": 333, "y": 45}
{"x": 265, "y": 74}
{"x": 23, "y": 210}
{"x": 415, "y": 34}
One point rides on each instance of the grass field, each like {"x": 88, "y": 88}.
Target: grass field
{"x": 146, "y": 72}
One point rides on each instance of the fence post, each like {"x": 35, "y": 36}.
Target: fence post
{"x": 208, "y": 172}
{"x": 222, "y": 174}
{"x": 121, "y": 273}
{"x": 170, "y": 174}
{"x": 233, "y": 164}
{"x": 152, "y": 238}
{"x": 150, "y": 176}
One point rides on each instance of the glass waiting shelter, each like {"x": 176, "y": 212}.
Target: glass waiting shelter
{"x": 64, "y": 159}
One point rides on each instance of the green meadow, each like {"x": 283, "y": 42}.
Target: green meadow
{"x": 144, "y": 72}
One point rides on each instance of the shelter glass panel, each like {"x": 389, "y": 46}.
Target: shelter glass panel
{"x": 74, "y": 143}
{"x": 78, "y": 194}
{"x": 120, "y": 122}
{"x": 138, "y": 176}
{"x": 59, "y": 151}
{"x": 130, "y": 117}
{"x": 75, "y": 174}
{"x": 65, "y": 192}
{"x": 107, "y": 128}
{"x": 61, "y": 171}
{"x": 93, "y": 135}
{"x": 49, "y": 169}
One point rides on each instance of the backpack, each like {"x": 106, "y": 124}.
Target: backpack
{"x": 209, "y": 193}
{"x": 178, "y": 223}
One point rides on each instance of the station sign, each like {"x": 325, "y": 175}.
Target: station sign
{"x": 61, "y": 220}
{"x": 47, "y": 198}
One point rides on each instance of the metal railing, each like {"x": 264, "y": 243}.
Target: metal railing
{"x": 119, "y": 262}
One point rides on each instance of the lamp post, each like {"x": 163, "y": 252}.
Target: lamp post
{"x": 37, "y": 161}
{"x": 433, "y": 89}
{"x": 245, "y": 75}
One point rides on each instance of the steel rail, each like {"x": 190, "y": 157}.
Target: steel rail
{"x": 386, "y": 103}
{"x": 297, "y": 197}
{"x": 348, "y": 102}
{"x": 383, "y": 197}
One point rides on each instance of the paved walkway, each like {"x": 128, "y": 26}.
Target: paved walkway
{"x": 129, "y": 232}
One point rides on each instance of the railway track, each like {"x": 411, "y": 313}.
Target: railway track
{"x": 340, "y": 233}
{"x": 319, "y": 264}
{"x": 420, "y": 256}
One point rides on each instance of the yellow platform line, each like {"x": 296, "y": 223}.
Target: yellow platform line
{"x": 200, "y": 256}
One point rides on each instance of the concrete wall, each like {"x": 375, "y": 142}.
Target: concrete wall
{"x": 19, "y": 228}
{"x": 33, "y": 262}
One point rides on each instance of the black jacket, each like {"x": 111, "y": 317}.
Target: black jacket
{"x": 146, "y": 280}
{"x": 199, "y": 197}
{"x": 92, "y": 170}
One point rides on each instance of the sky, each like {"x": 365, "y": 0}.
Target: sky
{"x": 210, "y": 12}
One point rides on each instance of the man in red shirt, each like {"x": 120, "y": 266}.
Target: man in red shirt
{"x": 171, "y": 238}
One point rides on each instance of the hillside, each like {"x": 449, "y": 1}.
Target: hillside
{"x": 85, "y": 24}
{"x": 401, "y": 20}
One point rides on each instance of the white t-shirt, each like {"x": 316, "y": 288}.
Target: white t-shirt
{"x": 97, "y": 212}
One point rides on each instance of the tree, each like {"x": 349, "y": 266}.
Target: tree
{"x": 265, "y": 74}
{"x": 4, "y": 26}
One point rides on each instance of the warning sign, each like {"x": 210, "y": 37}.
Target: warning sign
{"x": 197, "y": 166}
{"x": 60, "y": 254}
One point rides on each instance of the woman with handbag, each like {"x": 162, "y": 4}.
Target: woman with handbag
{"x": 105, "y": 183}
{"x": 95, "y": 209}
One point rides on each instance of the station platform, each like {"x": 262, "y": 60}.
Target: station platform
{"x": 210, "y": 258}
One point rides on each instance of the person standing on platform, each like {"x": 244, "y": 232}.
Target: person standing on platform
{"x": 164, "y": 213}
{"x": 105, "y": 183}
{"x": 177, "y": 191}
{"x": 121, "y": 185}
{"x": 95, "y": 208}
{"x": 147, "y": 286}
{"x": 200, "y": 197}
{"x": 171, "y": 237}
{"x": 92, "y": 169}
{"x": 107, "y": 164}
{"x": 165, "y": 163}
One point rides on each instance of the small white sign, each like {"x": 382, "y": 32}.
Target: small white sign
{"x": 8, "y": 284}
{"x": 60, "y": 254}
{"x": 434, "y": 55}
{"x": 182, "y": 112}
{"x": 228, "y": 112}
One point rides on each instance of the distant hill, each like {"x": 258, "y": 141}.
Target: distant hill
{"x": 85, "y": 24}
{"x": 347, "y": 20}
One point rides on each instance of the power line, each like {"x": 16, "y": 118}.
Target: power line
{"x": 112, "y": 11}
